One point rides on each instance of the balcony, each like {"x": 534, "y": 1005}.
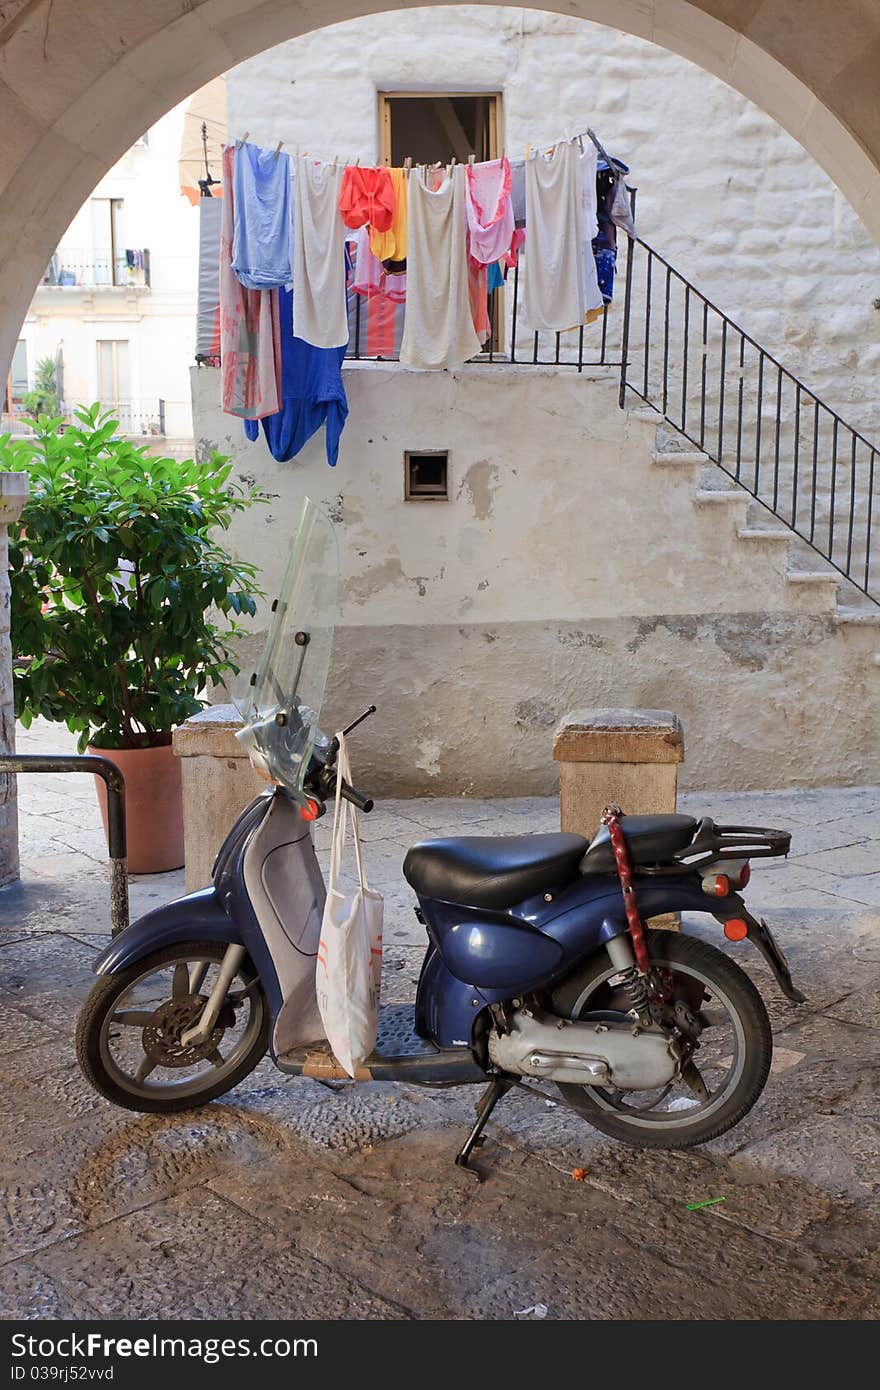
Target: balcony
{"x": 376, "y": 330}
{"x": 94, "y": 269}
{"x": 138, "y": 419}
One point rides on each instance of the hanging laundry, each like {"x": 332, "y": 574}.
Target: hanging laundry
{"x": 518, "y": 191}
{"x": 376, "y": 326}
{"x": 250, "y": 342}
{"x": 489, "y": 209}
{"x": 553, "y": 279}
{"x": 370, "y": 276}
{"x": 438, "y": 328}
{"x": 391, "y": 244}
{"x": 479, "y": 299}
{"x": 613, "y": 209}
{"x": 620, "y": 210}
{"x": 367, "y": 196}
{"x": 586, "y": 163}
{"x": 319, "y": 313}
{"x": 261, "y": 243}
{"x": 495, "y": 277}
{"x": 208, "y": 311}
{"x": 312, "y": 395}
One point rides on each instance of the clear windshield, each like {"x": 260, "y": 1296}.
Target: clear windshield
{"x": 280, "y": 702}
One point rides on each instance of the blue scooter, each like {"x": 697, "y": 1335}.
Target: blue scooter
{"x": 535, "y": 971}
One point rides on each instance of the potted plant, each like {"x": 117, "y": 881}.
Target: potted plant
{"x": 124, "y": 605}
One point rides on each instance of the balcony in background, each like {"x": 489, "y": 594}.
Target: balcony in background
{"x": 138, "y": 419}
{"x": 92, "y": 269}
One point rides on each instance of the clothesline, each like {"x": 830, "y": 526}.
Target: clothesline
{"x": 614, "y": 165}
{"x": 301, "y": 236}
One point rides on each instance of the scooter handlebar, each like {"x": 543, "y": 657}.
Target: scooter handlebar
{"x": 363, "y": 803}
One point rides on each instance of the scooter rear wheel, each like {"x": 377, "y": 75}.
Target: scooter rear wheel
{"x": 733, "y": 1058}
{"x": 128, "y": 1037}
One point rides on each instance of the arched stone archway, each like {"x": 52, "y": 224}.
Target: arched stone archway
{"x": 79, "y": 82}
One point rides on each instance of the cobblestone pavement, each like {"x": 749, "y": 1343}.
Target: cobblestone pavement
{"x": 289, "y": 1199}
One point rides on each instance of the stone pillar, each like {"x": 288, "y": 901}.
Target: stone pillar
{"x": 218, "y": 782}
{"x": 630, "y": 756}
{"x": 13, "y": 495}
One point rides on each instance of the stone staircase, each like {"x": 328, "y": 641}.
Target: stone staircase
{"x": 754, "y": 525}
{"x": 794, "y": 474}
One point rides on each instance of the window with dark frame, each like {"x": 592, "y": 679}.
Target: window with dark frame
{"x": 426, "y": 475}
{"x": 431, "y": 127}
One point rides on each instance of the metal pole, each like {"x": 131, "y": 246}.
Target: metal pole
{"x": 627, "y": 303}
{"x": 115, "y": 784}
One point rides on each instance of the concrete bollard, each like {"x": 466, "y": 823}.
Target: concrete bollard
{"x": 629, "y": 756}
{"x": 13, "y": 496}
{"x": 218, "y": 782}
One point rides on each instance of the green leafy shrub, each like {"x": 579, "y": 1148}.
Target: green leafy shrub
{"x": 118, "y": 582}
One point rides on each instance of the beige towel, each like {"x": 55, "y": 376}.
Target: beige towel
{"x": 554, "y": 271}
{"x": 320, "y": 315}
{"x": 438, "y": 330}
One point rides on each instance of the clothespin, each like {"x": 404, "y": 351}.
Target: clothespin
{"x": 452, "y": 165}
{"x": 472, "y": 159}
{"x": 407, "y": 163}
{"x": 277, "y": 149}
{"x": 239, "y": 143}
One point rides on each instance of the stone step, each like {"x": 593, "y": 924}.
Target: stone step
{"x": 863, "y": 617}
{"x": 678, "y": 458}
{"x": 719, "y": 496}
{"x": 757, "y": 533}
{"x": 813, "y": 577}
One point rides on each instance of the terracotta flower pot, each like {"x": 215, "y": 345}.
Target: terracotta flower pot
{"x": 153, "y": 806}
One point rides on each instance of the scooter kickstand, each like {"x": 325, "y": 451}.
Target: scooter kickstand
{"x": 485, "y": 1105}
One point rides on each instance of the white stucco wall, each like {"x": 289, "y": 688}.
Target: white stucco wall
{"x": 724, "y": 193}
{"x": 566, "y": 569}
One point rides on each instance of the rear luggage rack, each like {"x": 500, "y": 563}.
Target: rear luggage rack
{"x": 712, "y": 842}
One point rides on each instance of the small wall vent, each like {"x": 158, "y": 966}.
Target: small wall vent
{"x": 426, "y": 475}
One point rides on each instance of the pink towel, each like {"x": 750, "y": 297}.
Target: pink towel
{"x": 489, "y": 209}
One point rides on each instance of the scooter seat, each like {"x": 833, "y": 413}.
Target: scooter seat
{"x": 492, "y": 871}
{"x": 651, "y": 840}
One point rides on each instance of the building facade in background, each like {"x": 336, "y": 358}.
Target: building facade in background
{"x": 115, "y": 313}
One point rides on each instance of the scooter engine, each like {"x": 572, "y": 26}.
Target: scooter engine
{"x": 589, "y": 1053}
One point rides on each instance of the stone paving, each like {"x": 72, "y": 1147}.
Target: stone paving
{"x": 290, "y": 1199}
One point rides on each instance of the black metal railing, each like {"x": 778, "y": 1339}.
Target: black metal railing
{"x": 597, "y": 344}
{"x": 766, "y": 431}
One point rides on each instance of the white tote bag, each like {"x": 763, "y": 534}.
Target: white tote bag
{"x": 349, "y": 964}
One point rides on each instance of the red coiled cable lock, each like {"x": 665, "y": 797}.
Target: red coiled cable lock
{"x": 611, "y": 817}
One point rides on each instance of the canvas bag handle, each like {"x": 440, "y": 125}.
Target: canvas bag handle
{"x": 341, "y": 812}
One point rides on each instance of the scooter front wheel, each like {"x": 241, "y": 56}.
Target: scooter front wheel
{"x": 129, "y": 1038}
